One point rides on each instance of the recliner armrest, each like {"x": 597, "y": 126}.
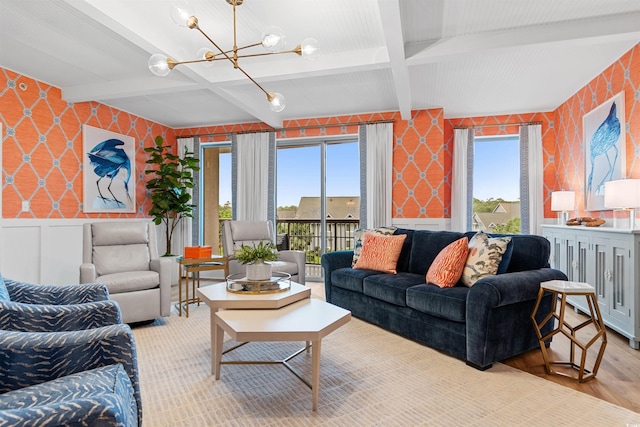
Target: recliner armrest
{"x": 298, "y": 257}
{"x": 87, "y": 273}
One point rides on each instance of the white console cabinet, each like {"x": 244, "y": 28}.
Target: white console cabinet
{"x": 609, "y": 260}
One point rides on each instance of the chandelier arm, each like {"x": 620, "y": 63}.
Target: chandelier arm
{"x": 234, "y": 62}
{"x": 270, "y": 53}
{"x": 192, "y": 61}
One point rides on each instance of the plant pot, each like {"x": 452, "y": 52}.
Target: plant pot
{"x": 259, "y": 271}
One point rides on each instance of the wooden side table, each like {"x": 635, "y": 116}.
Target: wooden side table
{"x": 195, "y": 266}
{"x": 559, "y": 290}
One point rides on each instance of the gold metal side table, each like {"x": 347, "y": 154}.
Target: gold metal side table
{"x": 559, "y": 290}
{"x": 194, "y": 266}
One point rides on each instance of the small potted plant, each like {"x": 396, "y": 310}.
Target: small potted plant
{"x": 256, "y": 259}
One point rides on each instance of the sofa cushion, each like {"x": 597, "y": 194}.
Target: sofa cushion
{"x": 446, "y": 269}
{"x": 485, "y": 255}
{"x": 527, "y": 252}
{"x": 350, "y": 279}
{"x": 426, "y": 246}
{"x": 405, "y": 253}
{"x": 380, "y": 253}
{"x": 358, "y": 238}
{"x": 101, "y": 396}
{"x": 447, "y": 303}
{"x": 119, "y": 258}
{"x": 119, "y": 233}
{"x": 391, "y": 288}
{"x": 130, "y": 281}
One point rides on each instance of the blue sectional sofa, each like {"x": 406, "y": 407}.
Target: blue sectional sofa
{"x": 482, "y": 324}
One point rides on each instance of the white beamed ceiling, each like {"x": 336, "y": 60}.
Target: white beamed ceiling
{"x": 469, "y": 57}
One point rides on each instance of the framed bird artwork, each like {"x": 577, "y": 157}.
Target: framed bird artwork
{"x": 605, "y": 155}
{"x": 109, "y": 171}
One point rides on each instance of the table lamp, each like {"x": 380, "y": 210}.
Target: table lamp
{"x": 623, "y": 195}
{"x": 563, "y": 202}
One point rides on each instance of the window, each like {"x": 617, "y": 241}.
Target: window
{"x": 496, "y": 184}
{"x": 215, "y": 204}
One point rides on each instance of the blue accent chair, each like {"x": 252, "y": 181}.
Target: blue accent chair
{"x": 87, "y": 377}
{"x": 51, "y": 308}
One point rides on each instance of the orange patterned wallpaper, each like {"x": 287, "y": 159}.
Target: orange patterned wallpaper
{"x": 42, "y": 148}
{"x": 420, "y": 186}
{"x": 43, "y": 141}
{"x": 502, "y": 127}
{"x": 622, "y": 75}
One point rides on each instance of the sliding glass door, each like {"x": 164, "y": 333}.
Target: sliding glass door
{"x": 317, "y": 196}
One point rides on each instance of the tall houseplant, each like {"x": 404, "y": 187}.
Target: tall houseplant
{"x": 169, "y": 186}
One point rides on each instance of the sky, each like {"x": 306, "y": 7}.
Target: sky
{"x": 496, "y": 171}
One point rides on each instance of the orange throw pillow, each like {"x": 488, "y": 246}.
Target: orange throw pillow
{"x": 446, "y": 269}
{"x": 380, "y": 253}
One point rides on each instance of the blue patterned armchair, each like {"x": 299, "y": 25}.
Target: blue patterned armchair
{"x": 85, "y": 377}
{"x": 42, "y": 308}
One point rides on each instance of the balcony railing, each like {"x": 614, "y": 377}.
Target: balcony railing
{"x": 304, "y": 235}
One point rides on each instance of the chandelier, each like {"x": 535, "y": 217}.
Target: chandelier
{"x": 273, "y": 40}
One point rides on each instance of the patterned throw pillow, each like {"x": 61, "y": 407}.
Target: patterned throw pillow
{"x": 446, "y": 269}
{"x": 358, "y": 236}
{"x": 485, "y": 254}
{"x": 380, "y": 253}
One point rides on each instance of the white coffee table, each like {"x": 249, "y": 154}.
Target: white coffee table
{"x": 305, "y": 320}
{"x": 216, "y": 297}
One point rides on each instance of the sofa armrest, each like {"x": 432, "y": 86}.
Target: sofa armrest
{"x": 16, "y": 316}
{"x": 498, "y": 315}
{"x": 298, "y": 257}
{"x": 511, "y": 288}
{"x": 163, "y": 266}
{"x": 332, "y": 261}
{"x": 56, "y": 294}
{"x": 28, "y": 358}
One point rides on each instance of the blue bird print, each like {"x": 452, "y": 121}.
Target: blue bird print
{"x": 108, "y": 160}
{"x": 603, "y": 140}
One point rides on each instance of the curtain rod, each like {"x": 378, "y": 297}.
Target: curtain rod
{"x": 331, "y": 125}
{"x": 497, "y": 124}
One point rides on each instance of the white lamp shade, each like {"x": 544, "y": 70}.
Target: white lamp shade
{"x": 622, "y": 194}
{"x": 563, "y": 200}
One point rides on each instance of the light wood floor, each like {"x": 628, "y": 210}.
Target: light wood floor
{"x": 617, "y": 381}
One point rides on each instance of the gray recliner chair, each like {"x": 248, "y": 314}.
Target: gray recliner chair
{"x": 124, "y": 256}
{"x": 238, "y": 233}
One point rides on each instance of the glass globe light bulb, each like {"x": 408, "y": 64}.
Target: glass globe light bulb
{"x": 181, "y": 11}
{"x": 204, "y": 53}
{"x": 276, "y": 101}
{"x": 273, "y": 39}
{"x": 158, "y": 65}
{"x": 309, "y": 48}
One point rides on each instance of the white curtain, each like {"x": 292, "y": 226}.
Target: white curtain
{"x": 533, "y": 182}
{"x": 186, "y": 225}
{"x": 252, "y": 187}
{"x": 462, "y": 186}
{"x": 379, "y": 170}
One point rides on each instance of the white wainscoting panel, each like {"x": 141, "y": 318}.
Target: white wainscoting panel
{"x": 43, "y": 250}
{"x": 422, "y": 223}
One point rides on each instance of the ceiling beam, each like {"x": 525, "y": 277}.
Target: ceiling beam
{"x": 572, "y": 33}
{"x": 392, "y": 29}
{"x": 261, "y": 114}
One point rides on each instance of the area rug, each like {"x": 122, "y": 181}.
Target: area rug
{"x": 369, "y": 377}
